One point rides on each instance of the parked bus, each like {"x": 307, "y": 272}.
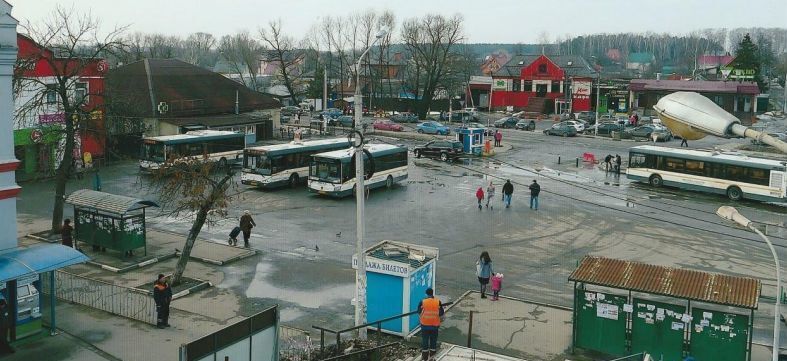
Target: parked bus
{"x": 276, "y": 165}
{"x": 223, "y": 147}
{"x": 735, "y": 175}
{"x": 333, "y": 173}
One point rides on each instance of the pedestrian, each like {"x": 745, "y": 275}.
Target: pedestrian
{"x": 5, "y": 326}
{"x": 617, "y": 163}
{"x": 479, "y": 194}
{"x": 684, "y": 141}
{"x": 430, "y": 313}
{"x": 66, "y": 234}
{"x": 498, "y": 138}
{"x": 246, "y": 224}
{"x": 497, "y": 285}
{"x": 483, "y": 270}
{"x": 490, "y": 193}
{"x": 608, "y": 162}
{"x": 535, "y": 189}
{"x": 162, "y": 294}
{"x": 508, "y": 190}
{"x": 234, "y": 236}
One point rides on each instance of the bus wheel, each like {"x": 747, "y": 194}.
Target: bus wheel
{"x": 656, "y": 181}
{"x": 734, "y": 193}
{"x": 444, "y": 157}
{"x": 294, "y": 180}
{"x": 223, "y": 163}
{"x": 417, "y": 154}
{"x": 389, "y": 182}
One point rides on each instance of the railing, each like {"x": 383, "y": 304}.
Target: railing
{"x": 378, "y": 324}
{"x": 294, "y": 344}
{"x": 118, "y": 300}
{"x": 635, "y": 357}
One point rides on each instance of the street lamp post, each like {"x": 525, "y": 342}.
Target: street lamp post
{"x": 731, "y": 214}
{"x": 360, "y": 193}
{"x": 598, "y": 94}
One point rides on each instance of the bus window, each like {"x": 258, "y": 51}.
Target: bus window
{"x": 695, "y": 167}
{"x": 735, "y": 173}
{"x": 637, "y": 160}
{"x": 759, "y": 176}
{"x": 674, "y": 165}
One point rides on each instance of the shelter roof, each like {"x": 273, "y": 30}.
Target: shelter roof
{"x": 19, "y": 262}
{"x": 708, "y": 86}
{"x": 107, "y": 202}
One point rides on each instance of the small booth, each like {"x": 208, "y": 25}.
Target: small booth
{"x": 472, "y": 140}
{"x": 397, "y": 277}
{"x": 109, "y": 221}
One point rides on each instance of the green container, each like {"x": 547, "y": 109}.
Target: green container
{"x": 718, "y": 336}
{"x": 600, "y": 322}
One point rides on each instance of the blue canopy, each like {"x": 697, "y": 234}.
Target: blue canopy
{"x": 19, "y": 262}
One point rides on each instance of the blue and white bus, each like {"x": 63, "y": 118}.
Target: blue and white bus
{"x": 333, "y": 173}
{"x": 732, "y": 174}
{"x": 219, "y": 146}
{"x": 284, "y": 164}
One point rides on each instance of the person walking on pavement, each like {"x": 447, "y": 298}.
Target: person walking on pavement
{"x": 479, "y": 194}
{"x": 684, "y": 141}
{"x": 535, "y": 189}
{"x": 608, "y": 162}
{"x": 490, "y": 193}
{"x": 246, "y": 224}
{"x": 508, "y": 190}
{"x": 617, "y": 163}
{"x": 66, "y": 234}
{"x": 498, "y": 138}
{"x": 430, "y": 313}
{"x": 483, "y": 270}
{"x": 5, "y": 326}
{"x": 162, "y": 294}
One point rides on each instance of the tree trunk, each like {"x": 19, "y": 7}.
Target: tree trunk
{"x": 61, "y": 176}
{"x": 196, "y": 227}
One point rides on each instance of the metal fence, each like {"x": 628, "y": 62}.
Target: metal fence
{"x": 295, "y": 344}
{"x": 118, "y": 300}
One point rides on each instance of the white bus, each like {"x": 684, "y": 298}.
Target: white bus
{"x": 732, "y": 174}
{"x": 284, "y": 164}
{"x": 223, "y": 147}
{"x": 333, "y": 173}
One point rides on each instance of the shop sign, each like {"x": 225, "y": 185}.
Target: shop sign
{"x": 738, "y": 74}
{"x": 500, "y": 84}
{"x": 36, "y": 136}
{"x": 581, "y": 90}
{"x": 56, "y": 118}
{"x": 383, "y": 266}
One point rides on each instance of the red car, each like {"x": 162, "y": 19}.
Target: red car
{"x": 387, "y": 125}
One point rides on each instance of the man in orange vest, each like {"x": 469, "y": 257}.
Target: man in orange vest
{"x": 430, "y": 312}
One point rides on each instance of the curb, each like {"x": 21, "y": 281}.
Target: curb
{"x": 250, "y": 252}
{"x": 133, "y": 266}
{"x": 198, "y": 287}
{"x": 36, "y": 237}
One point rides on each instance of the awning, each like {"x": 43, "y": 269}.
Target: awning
{"x": 107, "y": 202}
{"x": 19, "y": 262}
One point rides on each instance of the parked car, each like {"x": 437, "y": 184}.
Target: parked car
{"x": 346, "y": 121}
{"x": 290, "y": 110}
{"x": 604, "y": 128}
{"x": 432, "y": 127}
{"x": 561, "y": 129}
{"x": 647, "y": 131}
{"x": 471, "y": 111}
{"x": 507, "y": 122}
{"x": 525, "y": 124}
{"x": 579, "y": 126}
{"x": 588, "y": 117}
{"x": 330, "y": 113}
{"x": 405, "y": 117}
{"x": 387, "y": 125}
{"x": 444, "y": 150}
{"x": 459, "y": 116}
{"x": 622, "y": 119}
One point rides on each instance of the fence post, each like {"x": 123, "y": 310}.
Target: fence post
{"x": 470, "y": 331}
{"x": 577, "y": 162}
{"x": 338, "y": 343}
{"x": 52, "y": 298}
{"x": 322, "y": 342}
{"x": 379, "y": 333}
{"x": 558, "y": 159}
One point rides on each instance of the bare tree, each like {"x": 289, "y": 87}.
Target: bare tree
{"x": 198, "y": 49}
{"x": 280, "y": 49}
{"x": 242, "y": 53}
{"x": 161, "y": 46}
{"x": 431, "y": 42}
{"x": 197, "y": 190}
{"x": 70, "y": 44}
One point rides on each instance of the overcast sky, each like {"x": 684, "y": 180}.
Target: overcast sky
{"x": 497, "y": 21}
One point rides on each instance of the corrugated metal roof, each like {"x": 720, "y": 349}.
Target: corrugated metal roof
{"x": 696, "y": 86}
{"x": 669, "y": 281}
{"x": 106, "y": 202}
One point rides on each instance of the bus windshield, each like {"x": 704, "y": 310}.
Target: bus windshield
{"x": 327, "y": 170}
{"x": 153, "y": 152}
{"x": 260, "y": 163}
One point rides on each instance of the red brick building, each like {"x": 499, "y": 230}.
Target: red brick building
{"x": 539, "y": 83}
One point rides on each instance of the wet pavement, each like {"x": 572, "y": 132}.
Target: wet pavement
{"x": 306, "y": 242}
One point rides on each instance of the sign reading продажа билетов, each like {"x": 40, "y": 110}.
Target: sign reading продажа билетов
{"x": 384, "y": 266}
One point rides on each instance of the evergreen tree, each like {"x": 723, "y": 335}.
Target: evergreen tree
{"x": 747, "y": 56}
{"x": 314, "y": 90}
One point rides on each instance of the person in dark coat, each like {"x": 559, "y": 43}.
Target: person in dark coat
{"x": 608, "y": 162}
{"x": 617, "y": 163}
{"x": 508, "y": 190}
{"x": 535, "y": 189}
{"x": 162, "y": 294}
{"x": 5, "y": 326}
{"x": 66, "y": 234}
{"x": 246, "y": 224}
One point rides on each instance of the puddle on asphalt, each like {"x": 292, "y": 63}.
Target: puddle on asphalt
{"x": 261, "y": 287}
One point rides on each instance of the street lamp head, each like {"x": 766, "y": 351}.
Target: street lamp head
{"x": 382, "y": 32}
{"x": 731, "y": 214}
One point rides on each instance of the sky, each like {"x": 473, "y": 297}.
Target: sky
{"x": 497, "y": 21}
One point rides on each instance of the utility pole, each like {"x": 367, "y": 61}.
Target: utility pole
{"x": 324, "y": 87}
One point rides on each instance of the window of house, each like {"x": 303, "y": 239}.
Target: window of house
{"x": 542, "y": 68}
{"x": 528, "y": 86}
{"x": 80, "y": 93}
{"x": 515, "y": 85}
{"x": 555, "y": 87}
{"x": 51, "y": 93}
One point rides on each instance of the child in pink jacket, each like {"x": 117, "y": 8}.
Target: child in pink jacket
{"x": 497, "y": 285}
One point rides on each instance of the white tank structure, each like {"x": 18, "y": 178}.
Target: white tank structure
{"x": 692, "y": 116}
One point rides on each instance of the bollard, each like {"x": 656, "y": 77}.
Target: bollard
{"x": 577, "y": 162}
{"x": 558, "y": 159}
{"x": 470, "y": 330}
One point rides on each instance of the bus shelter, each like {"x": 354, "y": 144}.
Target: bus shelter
{"x": 624, "y": 307}
{"x": 109, "y": 221}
